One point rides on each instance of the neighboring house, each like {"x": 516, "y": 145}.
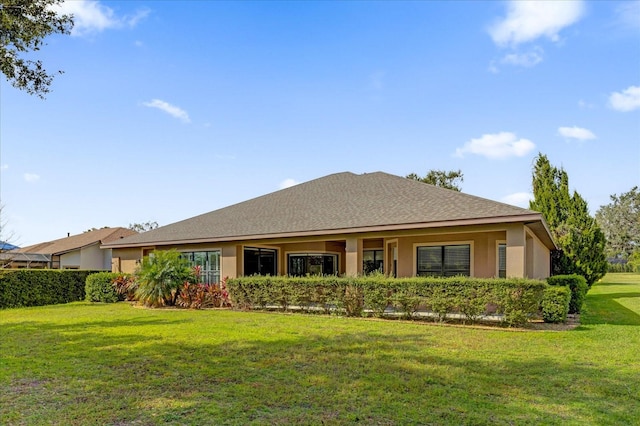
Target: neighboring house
{"x": 81, "y": 251}
{"x": 4, "y": 246}
{"x": 351, "y": 224}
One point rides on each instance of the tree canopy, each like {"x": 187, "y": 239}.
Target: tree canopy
{"x": 620, "y": 222}
{"x": 143, "y": 227}
{"x": 450, "y": 180}
{"x": 23, "y": 26}
{"x": 576, "y": 233}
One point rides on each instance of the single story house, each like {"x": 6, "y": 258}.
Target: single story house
{"x": 82, "y": 251}
{"x": 351, "y": 224}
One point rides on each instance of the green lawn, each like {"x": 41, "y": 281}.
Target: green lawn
{"x": 82, "y": 364}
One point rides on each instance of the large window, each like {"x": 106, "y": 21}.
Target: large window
{"x": 260, "y": 261}
{"x": 209, "y": 263}
{"x": 313, "y": 264}
{"x": 372, "y": 260}
{"x": 502, "y": 260}
{"x": 444, "y": 261}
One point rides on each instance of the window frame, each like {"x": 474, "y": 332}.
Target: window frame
{"x": 470, "y": 243}
{"x": 206, "y": 271}
{"x": 275, "y": 250}
{"x": 498, "y": 244}
{"x": 375, "y": 259}
{"x": 312, "y": 253}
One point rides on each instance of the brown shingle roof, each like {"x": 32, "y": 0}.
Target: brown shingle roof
{"x": 74, "y": 242}
{"x": 335, "y": 202}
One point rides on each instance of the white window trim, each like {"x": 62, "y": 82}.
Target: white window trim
{"x": 414, "y": 253}
{"x": 498, "y": 242}
{"x": 219, "y": 249}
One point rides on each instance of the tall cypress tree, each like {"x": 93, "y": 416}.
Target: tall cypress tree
{"x": 575, "y": 231}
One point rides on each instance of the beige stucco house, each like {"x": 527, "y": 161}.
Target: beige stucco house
{"x": 351, "y": 224}
{"x": 82, "y": 251}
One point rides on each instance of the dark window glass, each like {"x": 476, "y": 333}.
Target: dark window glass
{"x": 312, "y": 264}
{"x": 372, "y": 260}
{"x": 502, "y": 260}
{"x": 444, "y": 261}
{"x": 260, "y": 261}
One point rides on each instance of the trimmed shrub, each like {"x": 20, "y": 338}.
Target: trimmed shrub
{"x": 578, "y": 286}
{"x": 517, "y": 299}
{"x": 99, "y": 288}
{"x": 555, "y": 304}
{"x": 39, "y": 287}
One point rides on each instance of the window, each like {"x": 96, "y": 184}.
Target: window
{"x": 502, "y": 260}
{"x": 313, "y": 264}
{"x": 209, "y": 263}
{"x": 372, "y": 260}
{"x": 444, "y": 261}
{"x": 260, "y": 261}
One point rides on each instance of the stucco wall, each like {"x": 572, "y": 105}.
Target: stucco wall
{"x": 92, "y": 257}
{"x": 70, "y": 260}
{"x": 483, "y": 251}
{"x": 527, "y": 256}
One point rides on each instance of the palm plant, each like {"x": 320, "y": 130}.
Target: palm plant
{"x": 160, "y": 276}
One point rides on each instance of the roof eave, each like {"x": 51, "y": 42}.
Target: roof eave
{"x": 532, "y": 218}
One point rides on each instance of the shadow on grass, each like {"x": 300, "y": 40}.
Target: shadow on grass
{"x": 606, "y": 309}
{"x": 350, "y": 377}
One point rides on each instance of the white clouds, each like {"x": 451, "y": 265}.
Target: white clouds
{"x": 497, "y": 146}
{"x": 576, "y": 133}
{"x": 528, "y": 59}
{"x": 529, "y": 20}
{"x": 628, "y": 15}
{"x": 172, "y": 110}
{"x": 585, "y": 105}
{"x": 287, "y": 183}
{"x": 31, "y": 177}
{"x": 91, "y": 16}
{"x": 520, "y": 199}
{"x": 627, "y": 100}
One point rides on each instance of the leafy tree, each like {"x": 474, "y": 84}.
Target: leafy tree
{"x": 6, "y": 238}
{"x": 160, "y": 276}
{"x": 577, "y": 234}
{"x": 143, "y": 227}
{"x": 23, "y": 26}
{"x": 450, "y": 180}
{"x": 620, "y": 222}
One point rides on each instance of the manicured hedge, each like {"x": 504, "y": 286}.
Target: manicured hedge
{"x": 99, "y": 287}
{"x": 38, "y": 287}
{"x": 471, "y": 298}
{"x": 578, "y": 286}
{"x": 555, "y": 304}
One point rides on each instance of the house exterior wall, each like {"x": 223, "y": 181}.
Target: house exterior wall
{"x": 527, "y": 256}
{"x": 93, "y": 258}
{"x": 70, "y": 260}
{"x": 125, "y": 259}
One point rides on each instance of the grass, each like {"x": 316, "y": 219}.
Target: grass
{"x": 85, "y": 364}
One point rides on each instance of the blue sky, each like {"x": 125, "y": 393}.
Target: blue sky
{"x": 171, "y": 109}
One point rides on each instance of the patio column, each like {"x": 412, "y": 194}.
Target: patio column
{"x": 353, "y": 256}
{"x": 516, "y": 251}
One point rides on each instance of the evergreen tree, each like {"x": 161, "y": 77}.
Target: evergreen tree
{"x": 575, "y": 231}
